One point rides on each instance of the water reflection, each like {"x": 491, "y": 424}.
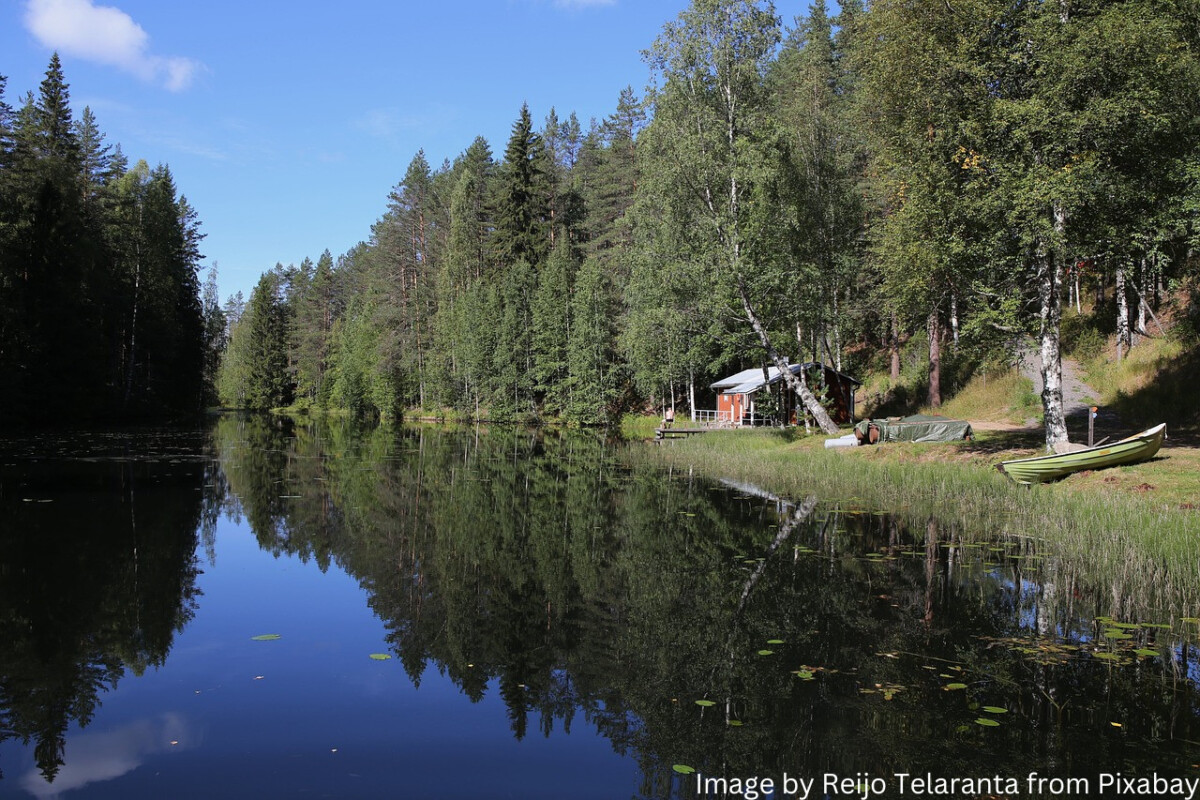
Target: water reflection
{"x": 103, "y": 755}
{"x": 828, "y": 639}
{"x": 97, "y": 573}
{"x": 817, "y": 637}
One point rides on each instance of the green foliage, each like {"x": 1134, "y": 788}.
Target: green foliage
{"x": 835, "y": 192}
{"x": 593, "y": 362}
{"x": 100, "y": 308}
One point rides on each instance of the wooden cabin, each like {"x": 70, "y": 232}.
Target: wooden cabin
{"x": 738, "y": 394}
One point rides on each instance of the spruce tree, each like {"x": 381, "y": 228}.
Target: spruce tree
{"x": 522, "y": 214}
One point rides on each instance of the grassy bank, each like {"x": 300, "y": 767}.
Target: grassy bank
{"x": 1102, "y": 524}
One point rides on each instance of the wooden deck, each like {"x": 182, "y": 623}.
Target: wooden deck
{"x": 672, "y": 431}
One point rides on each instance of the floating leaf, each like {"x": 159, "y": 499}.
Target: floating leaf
{"x": 683, "y": 769}
{"x": 1116, "y": 633}
{"x": 705, "y": 703}
{"x": 265, "y": 637}
{"x": 803, "y": 674}
{"x": 1142, "y": 651}
{"x": 995, "y": 710}
{"x": 1107, "y": 656}
{"x": 774, "y": 641}
{"x": 737, "y": 723}
{"x": 380, "y": 656}
{"x": 766, "y": 652}
{"x": 987, "y": 722}
{"x": 953, "y": 687}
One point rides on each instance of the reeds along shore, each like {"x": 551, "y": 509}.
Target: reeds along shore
{"x": 1143, "y": 552}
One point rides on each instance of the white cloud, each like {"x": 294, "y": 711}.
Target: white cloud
{"x": 106, "y": 35}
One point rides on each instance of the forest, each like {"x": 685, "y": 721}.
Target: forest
{"x": 101, "y": 316}
{"x": 946, "y": 179}
{"x": 948, "y": 175}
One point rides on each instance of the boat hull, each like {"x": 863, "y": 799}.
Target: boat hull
{"x": 1040, "y": 469}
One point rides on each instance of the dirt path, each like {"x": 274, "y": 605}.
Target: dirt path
{"x": 1077, "y": 395}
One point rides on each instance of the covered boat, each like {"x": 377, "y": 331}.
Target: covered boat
{"x": 1040, "y": 469}
{"x": 917, "y": 428}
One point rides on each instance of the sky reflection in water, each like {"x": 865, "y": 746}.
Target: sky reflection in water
{"x": 552, "y": 614}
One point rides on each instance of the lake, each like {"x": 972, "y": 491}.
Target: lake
{"x": 265, "y": 609}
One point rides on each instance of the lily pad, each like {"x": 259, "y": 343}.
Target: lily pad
{"x": 954, "y": 687}
{"x": 683, "y": 769}
{"x": 774, "y": 641}
{"x": 995, "y": 710}
{"x": 987, "y": 722}
{"x": 766, "y": 652}
{"x": 265, "y": 637}
{"x": 1144, "y": 651}
{"x": 705, "y": 703}
{"x": 380, "y": 656}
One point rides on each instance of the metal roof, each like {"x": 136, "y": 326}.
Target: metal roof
{"x": 751, "y": 380}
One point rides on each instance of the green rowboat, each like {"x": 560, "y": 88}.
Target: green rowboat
{"x": 1040, "y": 469}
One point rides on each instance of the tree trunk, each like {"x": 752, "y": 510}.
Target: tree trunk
{"x": 837, "y": 334}
{"x": 1143, "y": 290}
{"x": 692, "y": 392}
{"x": 894, "y": 346}
{"x": 794, "y": 383}
{"x": 1049, "y": 318}
{"x": 954, "y": 317}
{"x": 935, "y": 359}
{"x": 1124, "y": 340}
{"x": 131, "y": 364}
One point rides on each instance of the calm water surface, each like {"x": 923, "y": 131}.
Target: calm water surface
{"x": 499, "y": 613}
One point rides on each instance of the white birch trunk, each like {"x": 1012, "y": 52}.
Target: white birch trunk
{"x": 1049, "y": 319}
{"x": 954, "y": 318}
{"x": 692, "y": 392}
{"x": 1143, "y": 290}
{"x": 1123, "y": 338}
{"x": 824, "y": 422}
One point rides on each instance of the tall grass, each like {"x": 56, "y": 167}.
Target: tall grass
{"x": 1119, "y": 541}
{"x": 1005, "y": 396}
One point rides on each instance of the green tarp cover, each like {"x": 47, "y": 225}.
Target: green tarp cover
{"x": 917, "y": 428}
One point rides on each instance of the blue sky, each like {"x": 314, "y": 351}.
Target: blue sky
{"x": 286, "y": 124}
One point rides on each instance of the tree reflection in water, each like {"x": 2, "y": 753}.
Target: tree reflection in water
{"x": 584, "y": 587}
{"x": 97, "y": 571}
{"x": 821, "y": 637}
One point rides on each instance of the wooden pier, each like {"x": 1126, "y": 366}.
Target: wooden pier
{"x": 671, "y": 432}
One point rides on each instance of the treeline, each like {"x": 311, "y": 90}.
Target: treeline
{"x": 100, "y": 309}
{"x": 952, "y": 174}
{"x": 489, "y": 287}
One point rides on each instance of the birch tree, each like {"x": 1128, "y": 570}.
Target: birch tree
{"x": 714, "y": 148}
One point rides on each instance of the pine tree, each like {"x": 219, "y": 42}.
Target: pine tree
{"x": 593, "y": 366}
{"x": 552, "y": 329}
{"x": 265, "y": 327}
{"x": 214, "y": 335}
{"x": 522, "y": 215}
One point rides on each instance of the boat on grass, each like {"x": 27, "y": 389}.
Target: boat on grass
{"x": 915, "y": 428}
{"x": 1040, "y": 469}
